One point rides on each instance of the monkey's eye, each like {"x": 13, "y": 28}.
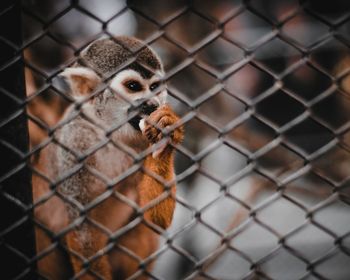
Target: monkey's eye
{"x": 154, "y": 86}
{"x": 134, "y": 86}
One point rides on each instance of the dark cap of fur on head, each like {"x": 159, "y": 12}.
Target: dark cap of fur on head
{"x": 107, "y": 56}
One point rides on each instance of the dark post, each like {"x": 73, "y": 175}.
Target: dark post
{"x": 17, "y": 245}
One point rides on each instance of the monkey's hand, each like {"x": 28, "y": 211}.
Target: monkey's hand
{"x": 163, "y": 123}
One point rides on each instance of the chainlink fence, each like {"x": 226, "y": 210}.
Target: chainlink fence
{"x": 263, "y": 92}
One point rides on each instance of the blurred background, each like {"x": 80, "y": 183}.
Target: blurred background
{"x": 264, "y": 90}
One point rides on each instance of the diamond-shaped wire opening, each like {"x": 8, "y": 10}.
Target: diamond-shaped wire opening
{"x": 332, "y": 14}
{"x": 159, "y": 11}
{"x": 277, "y": 55}
{"x": 171, "y": 55}
{"x": 251, "y": 135}
{"x": 279, "y": 162}
{"x": 218, "y": 11}
{"x": 17, "y": 150}
{"x": 306, "y": 82}
{"x": 256, "y": 248}
{"x": 198, "y": 136}
{"x": 190, "y": 21}
{"x": 116, "y": 26}
{"x": 223, "y": 207}
{"x": 276, "y": 11}
{"x": 309, "y": 136}
{"x": 234, "y": 162}
{"x": 88, "y": 28}
{"x": 247, "y": 29}
{"x": 231, "y": 108}
{"x": 279, "y": 108}
{"x": 39, "y": 50}
{"x": 191, "y": 83}
{"x": 335, "y": 217}
{"x": 335, "y": 173}
{"x": 229, "y": 265}
{"x": 179, "y": 103}
{"x": 341, "y": 116}
{"x": 13, "y": 257}
{"x": 199, "y": 240}
{"x": 329, "y": 55}
{"x": 47, "y": 10}
{"x": 305, "y": 30}
{"x": 32, "y": 28}
{"x": 219, "y": 56}
{"x": 104, "y": 9}
{"x": 283, "y": 265}
{"x": 8, "y": 90}
{"x": 203, "y": 191}
{"x": 248, "y": 82}
{"x": 275, "y": 216}
{"x": 174, "y": 255}
{"x": 12, "y": 103}
{"x": 309, "y": 189}
{"x": 311, "y": 242}
{"x": 253, "y": 189}
{"x": 6, "y": 48}
{"x": 19, "y": 209}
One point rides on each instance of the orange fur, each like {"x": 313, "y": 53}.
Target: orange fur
{"x": 112, "y": 214}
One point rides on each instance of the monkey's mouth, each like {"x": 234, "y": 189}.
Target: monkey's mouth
{"x": 144, "y": 110}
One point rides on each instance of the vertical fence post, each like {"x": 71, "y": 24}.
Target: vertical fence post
{"x": 17, "y": 245}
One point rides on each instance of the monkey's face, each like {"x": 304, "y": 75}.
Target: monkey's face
{"x": 137, "y": 96}
{"x": 131, "y": 97}
{"x": 127, "y": 97}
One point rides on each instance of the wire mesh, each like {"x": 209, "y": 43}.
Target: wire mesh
{"x": 262, "y": 91}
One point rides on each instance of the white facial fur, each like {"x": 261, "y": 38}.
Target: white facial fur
{"x": 125, "y": 75}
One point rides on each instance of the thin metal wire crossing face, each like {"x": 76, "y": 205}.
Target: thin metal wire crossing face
{"x": 262, "y": 94}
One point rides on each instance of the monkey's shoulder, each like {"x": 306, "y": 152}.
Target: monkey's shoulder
{"x": 79, "y": 135}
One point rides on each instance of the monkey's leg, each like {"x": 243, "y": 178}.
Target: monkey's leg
{"x": 86, "y": 243}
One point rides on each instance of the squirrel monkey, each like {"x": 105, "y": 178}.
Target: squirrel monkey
{"x": 99, "y": 184}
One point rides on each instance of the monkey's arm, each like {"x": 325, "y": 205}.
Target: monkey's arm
{"x": 162, "y": 168}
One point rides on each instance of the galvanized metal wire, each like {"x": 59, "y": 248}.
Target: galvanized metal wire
{"x": 291, "y": 132}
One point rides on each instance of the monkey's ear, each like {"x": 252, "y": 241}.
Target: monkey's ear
{"x": 82, "y": 80}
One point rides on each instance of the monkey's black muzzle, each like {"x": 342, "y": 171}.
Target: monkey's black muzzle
{"x": 145, "y": 108}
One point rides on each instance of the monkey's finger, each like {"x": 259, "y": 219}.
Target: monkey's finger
{"x": 153, "y": 134}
